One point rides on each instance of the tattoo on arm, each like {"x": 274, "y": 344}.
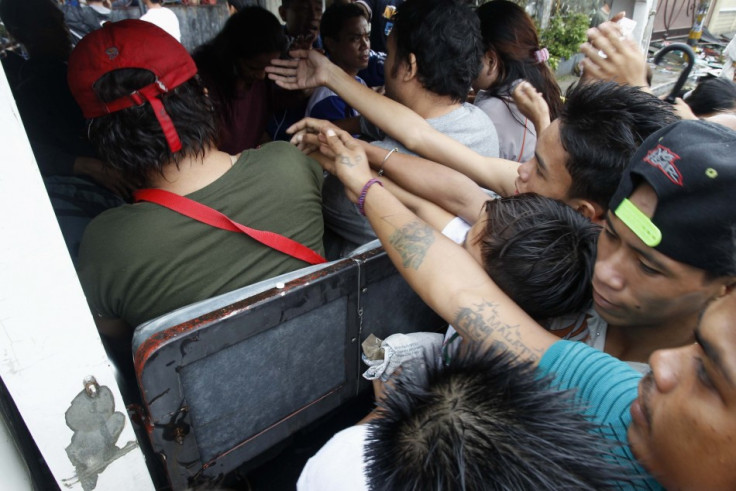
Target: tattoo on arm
{"x": 412, "y": 242}
{"x": 481, "y": 322}
{"x": 350, "y": 162}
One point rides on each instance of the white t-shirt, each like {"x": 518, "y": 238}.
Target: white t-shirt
{"x": 339, "y": 464}
{"x": 165, "y": 19}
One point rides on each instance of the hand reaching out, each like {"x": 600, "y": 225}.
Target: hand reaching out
{"x": 306, "y": 70}
{"x": 532, "y": 105}
{"x": 350, "y": 164}
{"x": 623, "y": 61}
{"x": 307, "y": 135}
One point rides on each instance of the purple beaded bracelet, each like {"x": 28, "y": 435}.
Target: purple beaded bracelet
{"x": 361, "y": 199}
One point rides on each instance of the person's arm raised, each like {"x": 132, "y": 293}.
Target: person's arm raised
{"x": 446, "y": 277}
{"x": 623, "y": 60}
{"x": 449, "y": 189}
{"x": 312, "y": 69}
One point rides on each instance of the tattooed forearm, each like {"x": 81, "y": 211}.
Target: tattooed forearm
{"x": 481, "y": 322}
{"x": 412, "y": 242}
{"x": 350, "y": 161}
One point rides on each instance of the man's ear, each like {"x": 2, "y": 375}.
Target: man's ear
{"x": 282, "y": 13}
{"x": 728, "y": 287}
{"x": 411, "y": 68}
{"x": 589, "y": 209}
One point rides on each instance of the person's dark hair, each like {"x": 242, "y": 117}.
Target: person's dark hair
{"x": 540, "y": 252}
{"x": 240, "y": 4}
{"x": 444, "y": 35}
{"x": 335, "y": 16}
{"x": 486, "y": 421}
{"x": 509, "y": 33}
{"x": 601, "y": 126}
{"x": 132, "y": 141}
{"x": 248, "y": 33}
{"x": 38, "y": 25}
{"x": 712, "y": 95}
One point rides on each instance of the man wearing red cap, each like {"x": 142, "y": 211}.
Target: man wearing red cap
{"x": 151, "y": 119}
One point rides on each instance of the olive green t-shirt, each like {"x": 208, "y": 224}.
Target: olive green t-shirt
{"x": 139, "y": 261}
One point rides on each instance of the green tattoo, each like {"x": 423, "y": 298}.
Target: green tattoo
{"x": 481, "y": 322}
{"x": 412, "y": 242}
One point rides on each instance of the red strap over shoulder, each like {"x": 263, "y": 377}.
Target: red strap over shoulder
{"x": 205, "y": 214}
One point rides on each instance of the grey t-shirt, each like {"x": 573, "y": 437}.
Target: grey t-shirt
{"x": 516, "y": 134}
{"x": 467, "y": 124}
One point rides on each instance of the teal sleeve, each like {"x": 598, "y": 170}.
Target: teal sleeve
{"x": 605, "y": 387}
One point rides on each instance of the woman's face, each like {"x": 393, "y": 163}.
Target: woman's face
{"x": 254, "y": 68}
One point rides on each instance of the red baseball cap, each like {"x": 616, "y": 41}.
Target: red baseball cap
{"x": 130, "y": 43}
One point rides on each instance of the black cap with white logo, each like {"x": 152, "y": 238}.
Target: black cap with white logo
{"x": 692, "y": 167}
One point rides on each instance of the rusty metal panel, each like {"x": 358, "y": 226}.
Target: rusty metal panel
{"x": 226, "y": 386}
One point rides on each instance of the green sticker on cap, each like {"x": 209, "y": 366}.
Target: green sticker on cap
{"x": 639, "y": 223}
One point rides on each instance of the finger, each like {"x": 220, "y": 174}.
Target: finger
{"x": 281, "y": 64}
{"x": 592, "y": 55}
{"x": 614, "y": 35}
{"x": 334, "y": 141}
{"x": 592, "y": 71}
{"x": 617, "y": 17}
{"x": 311, "y": 139}
{"x": 308, "y": 124}
{"x": 284, "y": 83}
{"x": 327, "y": 151}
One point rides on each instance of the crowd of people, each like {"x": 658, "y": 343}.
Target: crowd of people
{"x": 583, "y": 250}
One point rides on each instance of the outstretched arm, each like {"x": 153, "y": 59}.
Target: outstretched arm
{"x": 311, "y": 69}
{"x": 448, "y": 188}
{"x": 441, "y": 272}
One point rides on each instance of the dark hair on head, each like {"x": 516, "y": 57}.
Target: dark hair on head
{"x": 712, "y": 95}
{"x": 132, "y": 141}
{"x": 335, "y": 16}
{"x": 444, "y": 35}
{"x": 541, "y": 253}
{"x": 247, "y": 33}
{"x": 486, "y": 421}
{"x": 38, "y": 25}
{"x": 240, "y": 4}
{"x": 509, "y": 33}
{"x": 601, "y": 126}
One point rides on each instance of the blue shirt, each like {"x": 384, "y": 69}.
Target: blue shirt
{"x": 606, "y": 388}
{"x": 326, "y": 104}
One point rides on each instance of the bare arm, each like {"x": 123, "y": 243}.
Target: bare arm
{"x": 447, "y": 188}
{"x": 428, "y": 211}
{"x": 441, "y": 272}
{"x": 313, "y": 69}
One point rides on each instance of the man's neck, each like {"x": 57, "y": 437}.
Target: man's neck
{"x": 637, "y": 343}
{"x": 430, "y": 105}
{"x": 192, "y": 173}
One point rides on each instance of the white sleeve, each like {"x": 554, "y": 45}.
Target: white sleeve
{"x": 338, "y": 465}
{"x": 456, "y": 230}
